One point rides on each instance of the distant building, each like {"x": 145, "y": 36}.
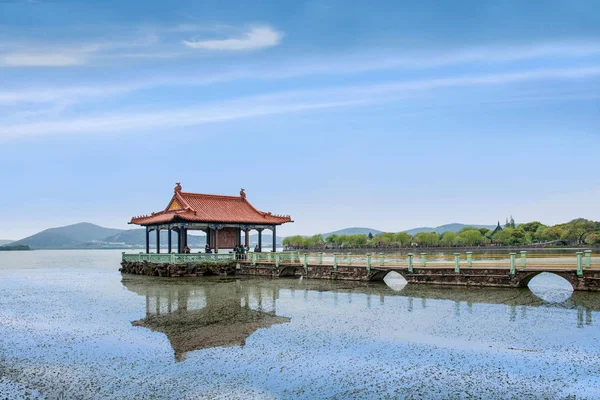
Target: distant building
{"x": 498, "y": 229}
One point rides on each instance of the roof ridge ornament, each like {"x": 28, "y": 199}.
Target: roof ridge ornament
{"x": 177, "y": 187}
{"x": 243, "y": 193}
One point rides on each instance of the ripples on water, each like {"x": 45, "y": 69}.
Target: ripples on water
{"x": 72, "y": 326}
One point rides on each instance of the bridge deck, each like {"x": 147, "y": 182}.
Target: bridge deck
{"x": 580, "y": 269}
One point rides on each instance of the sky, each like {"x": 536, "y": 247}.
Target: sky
{"x": 383, "y": 114}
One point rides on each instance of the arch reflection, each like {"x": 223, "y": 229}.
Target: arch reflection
{"x": 551, "y": 287}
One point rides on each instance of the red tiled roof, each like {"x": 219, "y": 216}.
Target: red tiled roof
{"x": 196, "y": 207}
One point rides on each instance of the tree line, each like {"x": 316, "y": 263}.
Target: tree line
{"x": 577, "y": 232}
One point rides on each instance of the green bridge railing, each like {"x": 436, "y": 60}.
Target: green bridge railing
{"x": 176, "y": 258}
{"x": 522, "y": 260}
{"x": 292, "y": 257}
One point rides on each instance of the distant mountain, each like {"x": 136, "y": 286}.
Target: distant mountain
{"x": 266, "y": 239}
{"x": 137, "y": 238}
{"x": 67, "y": 236}
{"x": 3, "y": 242}
{"x": 353, "y": 231}
{"x": 455, "y": 227}
{"x": 89, "y": 236}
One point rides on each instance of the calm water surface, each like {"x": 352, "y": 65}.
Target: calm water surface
{"x": 72, "y": 327}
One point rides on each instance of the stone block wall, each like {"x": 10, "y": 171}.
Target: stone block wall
{"x": 177, "y": 270}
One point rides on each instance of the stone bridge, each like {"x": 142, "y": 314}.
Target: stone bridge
{"x": 489, "y": 276}
{"x": 579, "y": 274}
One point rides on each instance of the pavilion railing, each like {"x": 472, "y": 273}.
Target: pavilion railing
{"x": 177, "y": 258}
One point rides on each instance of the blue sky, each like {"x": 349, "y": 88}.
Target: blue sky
{"x": 389, "y": 115}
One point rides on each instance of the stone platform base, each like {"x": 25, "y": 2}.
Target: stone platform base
{"x": 177, "y": 270}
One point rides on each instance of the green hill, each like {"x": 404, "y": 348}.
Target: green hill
{"x": 455, "y": 227}
{"x": 353, "y": 231}
{"x": 137, "y": 238}
{"x": 67, "y": 236}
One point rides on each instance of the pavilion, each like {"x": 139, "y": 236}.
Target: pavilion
{"x": 222, "y": 218}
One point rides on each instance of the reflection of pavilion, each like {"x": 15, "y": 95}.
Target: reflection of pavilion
{"x": 197, "y": 314}
{"x": 215, "y": 314}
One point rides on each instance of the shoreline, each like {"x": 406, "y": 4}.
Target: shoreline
{"x": 400, "y": 250}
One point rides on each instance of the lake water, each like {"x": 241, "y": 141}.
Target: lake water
{"x": 72, "y": 327}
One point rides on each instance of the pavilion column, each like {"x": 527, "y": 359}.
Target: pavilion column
{"x": 274, "y": 240}
{"x": 259, "y": 239}
{"x": 157, "y": 240}
{"x": 169, "y": 236}
{"x": 247, "y": 238}
{"x": 239, "y": 237}
{"x": 208, "y": 237}
{"x": 147, "y": 240}
{"x": 216, "y": 241}
{"x": 185, "y": 238}
{"x": 180, "y": 240}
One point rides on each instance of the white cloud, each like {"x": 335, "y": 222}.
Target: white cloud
{"x": 121, "y": 43}
{"x": 41, "y": 60}
{"x": 368, "y": 62}
{"x": 363, "y": 64}
{"x": 273, "y": 104}
{"x": 258, "y": 37}
{"x": 157, "y": 120}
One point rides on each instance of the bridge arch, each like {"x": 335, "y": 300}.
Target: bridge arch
{"x": 570, "y": 277}
{"x": 379, "y": 275}
{"x": 289, "y": 270}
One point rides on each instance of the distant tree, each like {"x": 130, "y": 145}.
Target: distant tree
{"x": 532, "y": 226}
{"x": 403, "y": 239}
{"x": 358, "y": 240}
{"x": 384, "y": 239}
{"x": 538, "y": 236}
{"x": 555, "y": 232}
{"x": 503, "y": 237}
{"x": 428, "y": 239}
{"x": 484, "y": 231}
{"x": 592, "y": 238}
{"x": 295, "y": 241}
{"x": 315, "y": 241}
{"x": 448, "y": 239}
{"x": 519, "y": 236}
{"x": 370, "y": 236}
{"x": 578, "y": 228}
{"x": 512, "y": 222}
{"x": 331, "y": 239}
{"x": 511, "y": 237}
{"x": 467, "y": 228}
{"x": 471, "y": 237}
